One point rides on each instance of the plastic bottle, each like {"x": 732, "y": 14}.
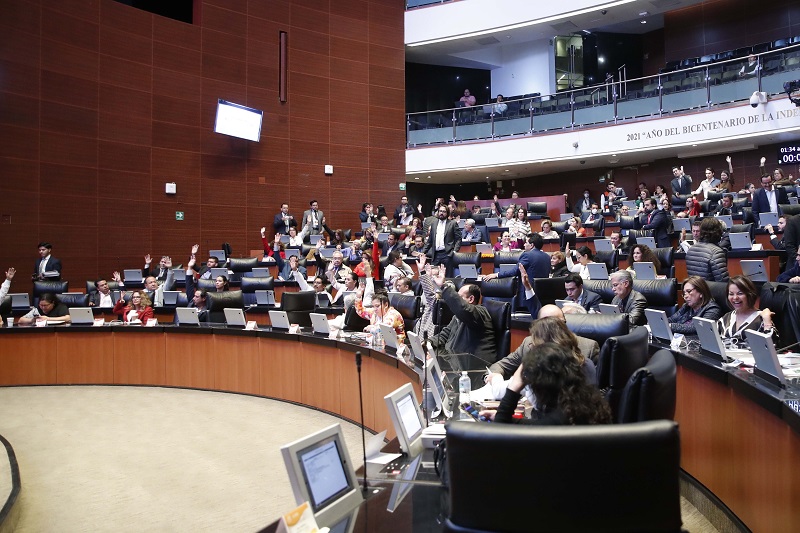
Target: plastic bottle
{"x": 464, "y": 388}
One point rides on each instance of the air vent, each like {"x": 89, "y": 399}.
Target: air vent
{"x": 565, "y": 28}
{"x": 487, "y": 41}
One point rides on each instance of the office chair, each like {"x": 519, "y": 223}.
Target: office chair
{"x": 619, "y": 358}
{"x": 651, "y": 391}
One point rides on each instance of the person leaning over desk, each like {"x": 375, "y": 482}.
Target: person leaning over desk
{"x": 50, "y": 308}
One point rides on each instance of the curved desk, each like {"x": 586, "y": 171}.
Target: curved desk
{"x": 740, "y": 438}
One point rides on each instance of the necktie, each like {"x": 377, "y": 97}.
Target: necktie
{"x": 649, "y": 217}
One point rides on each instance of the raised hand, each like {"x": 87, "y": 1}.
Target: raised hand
{"x": 277, "y": 238}
{"x": 168, "y": 262}
{"x": 148, "y": 259}
{"x": 10, "y": 273}
{"x": 728, "y": 159}
{"x": 116, "y": 277}
{"x": 438, "y": 278}
{"x": 523, "y": 274}
{"x": 196, "y": 248}
{"x": 763, "y": 160}
{"x": 263, "y": 231}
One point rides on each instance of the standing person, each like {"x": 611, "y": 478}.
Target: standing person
{"x": 283, "y": 220}
{"x": 46, "y": 267}
{"x": 705, "y": 258}
{"x": 468, "y": 99}
{"x": 403, "y": 213}
{"x": 381, "y": 312}
{"x": 314, "y": 218}
{"x": 767, "y": 199}
{"x": 444, "y": 240}
{"x": 791, "y": 238}
{"x": 367, "y": 214}
{"x": 707, "y": 184}
{"x": 681, "y": 183}
{"x": 656, "y": 220}
{"x": 6, "y": 286}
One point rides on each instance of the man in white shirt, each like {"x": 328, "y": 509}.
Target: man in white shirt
{"x": 102, "y": 297}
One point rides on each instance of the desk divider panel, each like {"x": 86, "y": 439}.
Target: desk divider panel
{"x": 84, "y": 357}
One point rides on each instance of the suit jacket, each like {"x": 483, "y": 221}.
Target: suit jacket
{"x": 509, "y": 364}
{"x": 791, "y": 236}
{"x": 53, "y": 264}
{"x": 685, "y": 188}
{"x": 761, "y": 204}
{"x": 312, "y": 230}
{"x": 659, "y": 223}
{"x": 398, "y": 216}
{"x": 385, "y": 248}
{"x": 94, "y": 298}
{"x": 280, "y": 225}
{"x": 634, "y": 306}
{"x": 589, "y": 300}
{"x": 452, "y": 237}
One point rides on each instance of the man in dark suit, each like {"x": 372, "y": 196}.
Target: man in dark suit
{"x": 767, "y": 199}
{"x": 390, "y": 244}
{"x": 681, "y": 183}
{"x": 314, "y": 218}
{"x": 725, "y": 206}
{"x": 47, "y": 267}
{"x": 535, "y": 262}
{"x": 655, "y": 219}
{"x": 102, "y": 297}
{"x": 403, "y": 213}
{"x": 576, "y": 293}
{"x": 283, "y": 221}
{"x": 444, "y": 239}
{"x": 791, "y": 238}
{"x": 626, "y": 299}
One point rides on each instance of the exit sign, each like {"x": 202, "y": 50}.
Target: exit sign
{"x": 178, "y": 215}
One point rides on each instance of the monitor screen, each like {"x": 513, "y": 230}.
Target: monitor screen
{"x": 238, "y": 121}
{"x": 323, "y": 472}
{"x": 406, "y": 418}
{"x": 407, "y": 408}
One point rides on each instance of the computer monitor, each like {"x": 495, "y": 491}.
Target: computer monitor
{"x": 81, "y": 316}
{"x": 402, "y": 486}
{"x": 261, "y": 272}
{"x": 563, "y": 217}
{"x": 186, "y": 316}
{"x": 645, "y": 270}
{"x": 327, "y": 253}
{"x": 659, "y": 324}
{"x": 608, "y": 309}
{"x": 483, "y": 248}
{"x": 630, "y": 204}
{"x": 264, "y": 297}
{"x": 279, "y": 320}
{"x": 467, "y": 271}
{"x": 321, "y": 473}
{"x": 314, "y": 239}
{"x": 219, "y": 254}
{"x": 725, "y": 219}
{"x": 650, "y": 242}
{"x": 319, "y": 322}
{"x": 171, "y": 298}
{"x": 710, "y": 341}
{"x": 20, "y": 300}
{"x": 219, "y": 271}
{"x": 407, "y": 418}
{"x": 389, "y": 337}
{"x": 492, "y": 222}
{"x": 415, "y": 342}
{"x": 437, "y": 387}
{"x": 597, "y": 270}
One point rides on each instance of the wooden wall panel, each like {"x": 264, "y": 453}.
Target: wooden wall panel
{"x": 28, "y": 359}
{"x": 84, "y": 358}
{"x": 107, "y": 103}
{"x": 139, "y": 359}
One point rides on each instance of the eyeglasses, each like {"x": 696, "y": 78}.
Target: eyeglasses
{"x": 688, "y": 292}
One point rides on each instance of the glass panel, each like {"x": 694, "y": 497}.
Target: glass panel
{"x": 779, "y": 68}
{"x": 431, "y": 127}
{"x": 728, "y": 85}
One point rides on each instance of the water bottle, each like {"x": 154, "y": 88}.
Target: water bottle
{"x": 464, "y": 388}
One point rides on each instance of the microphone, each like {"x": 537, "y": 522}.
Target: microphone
{"x": 361, "y": 407}
{"x": 785, "y": 349}
{"x": 425, "y": 376}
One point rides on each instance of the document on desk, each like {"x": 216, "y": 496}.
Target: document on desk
{"x": 374, "y": 453}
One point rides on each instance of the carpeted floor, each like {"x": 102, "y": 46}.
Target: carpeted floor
{"x": 96, "y": 458}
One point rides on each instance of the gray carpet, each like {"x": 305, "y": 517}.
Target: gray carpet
{"x": 153, "y": 459}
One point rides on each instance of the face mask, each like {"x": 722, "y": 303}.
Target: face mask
{"x": 594, "y": 211}
{"x": 586, "y": 195}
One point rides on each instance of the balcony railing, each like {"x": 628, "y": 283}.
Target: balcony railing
{"x": 680, "y": 91}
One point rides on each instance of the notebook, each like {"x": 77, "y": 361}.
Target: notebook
{"x": 265, "y": 297}
{"x": 754, "y": 269}
{"x": 132, "y": 276}
{"x": 603, "y": 245}
{"x": 659, "y": 324}
{"x": 235, "y": 317}
{"x": 320, "y": 324}
{"x": 609, "y": 309}
{"x": 468, "y": 271}
{"x": 279, "y": 320}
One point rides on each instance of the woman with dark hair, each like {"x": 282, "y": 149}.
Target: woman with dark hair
{"x": 698, "y": 303}
{"x": 563, "y": 395}
{"x": 692, "y": 207}
{"x": 558, "y": 265}
{"x": 666, "y": 206}
{"x": 519, "y": 227}
{"x": 644, "y": 194}
{"x": 642, "y": 253}
{"x": 50, "y": 308}
{"x": 584, "y": 256}
{"x": 742, "y": 297}
{"x": 381, "y": 313}
{"x": 221, "y": 284}
{"x": 139, "y": 310}
{"x": 506, "y": 243}
{"x": 705, "y": 258}
{"x": 367, "y": 214}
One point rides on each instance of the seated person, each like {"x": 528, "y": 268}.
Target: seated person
{"x": 152, "y": 288}
{"x": 626, "y": 299}
{"x": 404, "y": 287}
{"x": 505, "y": 244}
{"x": 593, "y": 215}
{"x": 221, "y": 284}
{"x": 320, "y": 285}
{"x": 470, "y": 232}
{"x": 138, "y": 311}
{"x": 699, "y": 302}
{"x": 616, "y": 242}
{"x": 50, "y": 308}
{"x": 416, "y": 247}
{"x": 395, "y": 270}
{"x": 791, "y": 275}
{"x": 575, "y": 226}
{"x": 577, "y": 293}
{"x": 584, "y": 256}
{"x": 777, "y": 243}
{"x": 101, "y": 297}
{"x": 268, "y": 246}
{"x": 380, "y": 313}
{"x": 297, "y": 239}
{"x": 725, "y": 207}
{"x": 385, "y": 226}
{"x": 197, "y": 297}
{"x": 367, "y": 262}
{"x": 643, "y": 254}
{"x": 205, "y": 270}
{"x": 742, "y": 297}
{"x": 547, "y": 231}
{"x": 389, "y": 245}
{"x": 287, "y": 269}
{"x": 685, "y": 243}
{"x": 335, "y": 265}
{"x": 470, "y": 330}
{"x": 624, "y": 211}
{"x": 159, "y": 273}
{"x": 692, "y": 208}
{"x": 558, "y": 265}
{"x": 563, "y": 395}
{"x": 350, "y": 284}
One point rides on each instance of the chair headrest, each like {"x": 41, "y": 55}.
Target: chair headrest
{"x": 242, "y": 264}
{"x": 499, "y": 287}
{"x": 225, "y": 300}
{"x": 249, "y": 284}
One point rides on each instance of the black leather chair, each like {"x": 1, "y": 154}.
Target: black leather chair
{"x": 627, "y": 222}
{"x": 598, "y": 327}
{"x": 348, "y": 233}
{"x": 661, "y": 294}
{"x": 705, "y": 206}
{"x": 634, "y": 233}
{"x": 719, "y": 292}
{"x": 548, "y": 290}
{"x": 42, "y": 287}
{"x": 789, "y": 209}
{"x": 739, "y": 204}
{"x": 250, "y": 285}
{"x": 352, "y": 322}
{"x": 409, "y": 307}
{"x": 298, "y": 305}
{"x": 750, "y": 228}
{"x": 651, "y": 391}
{"x": 505, "y": 258}
{"x": 598, "y": 226}
{"x": 466, "y": 258}
{"x": 714, "y": 199}
{"x": 619, "y": 358}
{"x": 666, "y": 256}
{"x": 479, "y": 218}
{"x": 611, "y": 259}
{"x": 5, "y": 310}
{"x": 240, "y": 265}
{"x": 538, "y": 209}
{"x": 631, "y": 484}
{"x": 560, "y": 227}
{"x": 747, "y": 215}
{"x": 501, "y": 322}
{"x": 207, "y": 284}
{"x": 74, "y": 299}
{"x": 500, "y": 289}
{"x": 219, "y": 301}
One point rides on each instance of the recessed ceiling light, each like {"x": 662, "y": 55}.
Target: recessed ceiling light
{"x": 416, "y": 177}
{"x": 694, "y": 145}
{"x": 643, "y": 13}
{"x": 506, "y": 170}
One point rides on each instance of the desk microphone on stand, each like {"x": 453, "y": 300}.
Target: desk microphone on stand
{"x": 361, "y": 406}
{"x": 425, "y": 376}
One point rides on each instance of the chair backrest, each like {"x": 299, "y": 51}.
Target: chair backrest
{"x": 5, "y": 309}
{"x": 666, "y": 256}
{"x": 409, "y": 307}
{"x": 207, "y": 284}
{"x": 479, "y": 218}
{"x": 298, "y": 305}
{"x": 750, "y": 228}
{"x": 559, "y": 226}
{"x": 537, "y": 208}
{"x": 739, "y": 204}
{"x": 466, "y": 258}
{"x": 619, "y": 358}
{"x": 548, "y": 290}
{"x": 651, "y": 391}
{"x": 506, "y": 258}
{"x": 242, "y": 264}
{"x": 74, "y": 299}
{"x": 501, "y": 321}
{"x": 719, "y": 292}
{"x": 348, "y": 233}
{"x": 501, "y": 289}
{"x": 632, "y": 484}
{"x": 219, "y": 301}
{"x": 598, "y": 226}
{"x": 41, "y": 287}
{"x": 747, "y": 214}
{"x": 627, "y": 222}
{"x": 611, "y": 259}
{"x": 250, "y": 285}
{"x": 352, "y": 322}
{"x": 789, "y": 209}
{"x": 705, "y": 206}
{"x": 598, "y": 327}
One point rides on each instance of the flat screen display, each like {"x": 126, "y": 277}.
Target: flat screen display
{"x": 237, "y": 120}
{"x": 408, "y": 413}
{"x": 324, "y": 473}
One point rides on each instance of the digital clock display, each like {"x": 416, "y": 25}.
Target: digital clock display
{"x": 789, "y": 154}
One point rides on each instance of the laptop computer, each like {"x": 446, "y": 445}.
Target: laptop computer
{"x": 597, "y": 270}
{"x": 492, "y": 223}
{"x": 793, "y": 200}
{"x": 219, "y": 271}
{"x": 179, "y": 274}
{"x": 603, "y": 245}
{"x": 630, "y": 203}
{"x": 289, "y": 252}
{"x": 81, "y": 316}
{"x": 132, "y": 276}
{"x": 264, "y": 297}
{"x": 650, "y": 242}
{"x": 740, "y": 241}
{"x": 461, "y": 223}
{"x": 314, "y": 239}
{"x": 415, "y": 342}
{"x": 483, "y": 248}
{"x": 754, "y": 269}
{"x": 319, "y": 323}
{"x": 468, "y": 271}
{"x": 659, "y": 324}
{"x": 383, "y": 236}
{"x": 768, "y": 366}
{"x": 680, "y": 224}
{"x": 323, "y": 299}
{"x": 285, "y": 239}
{"x": 389, "y": 337}
{"x": 609, "y": 309}
{"x": 235, "y": 318}
{"x": 279, "y": 320}
{"x": 561, "y": 303}
{"x": 767, "y": 218}
{"x": 261, "y": 272}
{"x": 565, "y": 216}
{"x": 725, "y": 219}
{"x": 711, "y": 343}
{"x": 508, "y": 269}
{"x": 219, "y": 254}
{"x": 327, "y": 253}
{"x": 644, "y": 270}
{"x": 171, "y": 297}
{"x": 366, "y": 225}
{"x": 20, "y": 300}
{"x": 187, "y": 316}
